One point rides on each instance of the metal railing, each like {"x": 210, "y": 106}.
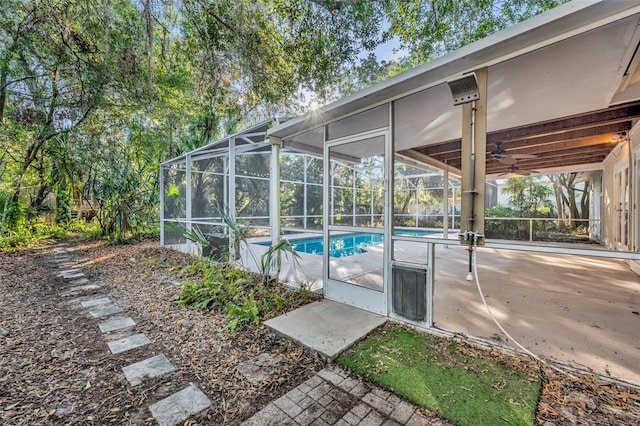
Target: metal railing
{"x": 562, "y": 226}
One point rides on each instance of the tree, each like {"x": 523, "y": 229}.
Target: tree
{"x": 95, "y": 93}
{"x": 58, "y": 61}
{"x": 427, "y": 29}
{"x": 572, "y": 202}
{"x": 529, "y": 196}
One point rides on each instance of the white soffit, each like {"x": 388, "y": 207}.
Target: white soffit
{"x": 571, "y": 77}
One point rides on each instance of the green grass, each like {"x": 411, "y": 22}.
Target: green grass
{"x": 461, "y": 383}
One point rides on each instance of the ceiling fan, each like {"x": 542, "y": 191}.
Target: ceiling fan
{"x": 505, "y": 157}
{"x": 515, "y": 171}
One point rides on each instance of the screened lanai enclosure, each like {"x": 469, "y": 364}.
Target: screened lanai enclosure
{"x": 377, "y": 190}
{"x": 230, "y": 197}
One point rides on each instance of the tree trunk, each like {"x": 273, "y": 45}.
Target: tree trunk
{"x": 4, "y": 76}
{"x": 585, "y": 201}
{"x": 557, "y": 189}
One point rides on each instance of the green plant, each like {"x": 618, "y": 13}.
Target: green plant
{"x": 239, "y": 232}
{"x": 36, "y": 232}
{"x": 272, "y": 259}
{"x": 279, "y": 302}
{"x": 303, "y": 293}
{"x": 63, "y": 207}
{"x": 240, "y": 314}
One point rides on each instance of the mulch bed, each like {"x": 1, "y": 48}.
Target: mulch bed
{"x": 55, "y": 367}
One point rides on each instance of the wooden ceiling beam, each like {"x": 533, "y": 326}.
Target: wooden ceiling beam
{"x": 545, "y": 149}
{"x": 497, "y": 168}
{"x": 593, "y": 150}
{"x": 449, "y": 149}
{"x": 607, "y": 130}
{"x": 614, "y": 114}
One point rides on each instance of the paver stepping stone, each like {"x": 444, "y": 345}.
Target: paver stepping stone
{"x": 105, "y": 310}
{"x": 95, "y": 302}
{"x": 259, "y": 368}
{"x": 178, "y": 407}
{"x": 62, "y": 259}
{"x": 151, "y": 367}
{"x": 116, "y": 324}
{"x": 73, "y": 276}
{"x": 128, "y": 343}
{"x": 81, "y": 281}
{"x": 69, "y": 272}
{"x": 84, "y": 288}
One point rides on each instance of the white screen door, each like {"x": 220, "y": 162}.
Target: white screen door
{"x": 358, "y": 217}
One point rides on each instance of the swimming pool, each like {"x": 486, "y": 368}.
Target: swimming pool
{"x": 349, "y": 244}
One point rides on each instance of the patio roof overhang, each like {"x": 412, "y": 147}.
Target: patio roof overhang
{"x": 561, "y": 86}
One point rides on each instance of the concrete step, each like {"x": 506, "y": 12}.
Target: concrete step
{"x": 95, "y": 302}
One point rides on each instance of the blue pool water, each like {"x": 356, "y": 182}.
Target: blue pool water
{"x": 349, "y": 244}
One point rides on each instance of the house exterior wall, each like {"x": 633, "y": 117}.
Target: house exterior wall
{"x": 617, "y": 159}
{"x": 595, "y": 207}
{"x": 624, "y": 156}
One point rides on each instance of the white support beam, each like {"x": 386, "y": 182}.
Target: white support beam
{"x": 474, "y": 147}
{"x": 188, "y": 201}
{"x": 274, "y": 191}
{"x": 161, "y": 213}
{"x": 445, "y": 206}
{"x": 305, "y": 192}
{"x": 231, "y": 206}
{"x": 414, "y": 158}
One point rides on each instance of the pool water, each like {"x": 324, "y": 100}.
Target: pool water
{"x": 349, "y": 244}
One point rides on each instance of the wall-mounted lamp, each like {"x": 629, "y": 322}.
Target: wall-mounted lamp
{"x": 619, "y": 137}
{"x": 464, "y": 89}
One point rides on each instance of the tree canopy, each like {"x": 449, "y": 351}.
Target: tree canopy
{"x": 95, "y": 93}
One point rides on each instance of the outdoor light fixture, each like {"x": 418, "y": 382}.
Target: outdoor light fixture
{"x": 619, "y": 137}
{"x": 464, "y": 89}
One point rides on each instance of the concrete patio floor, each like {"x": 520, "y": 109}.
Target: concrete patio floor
{"x": 575, "y": 309}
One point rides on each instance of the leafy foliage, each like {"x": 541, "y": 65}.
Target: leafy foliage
{"x": 241, "y": 296}
{"x": 94, "y": 95}
{"x": 272, "y": 259}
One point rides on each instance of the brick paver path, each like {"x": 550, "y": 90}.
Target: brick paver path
{"x": 333, "y": 397}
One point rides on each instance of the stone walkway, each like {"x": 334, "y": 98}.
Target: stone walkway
{"x": 331, "y": 397}
{"x": 170, "y": 411}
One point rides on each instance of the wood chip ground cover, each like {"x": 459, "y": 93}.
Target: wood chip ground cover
{"x": 55, "y": 367}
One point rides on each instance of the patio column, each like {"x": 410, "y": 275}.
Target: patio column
{"x": 474, "y": 144}
{"x": 161, "y": 183}
{"x": 188, "y": 225}
{"x": 274, "y": 190}
{"x": 305, "y": 191}
{"x": 445, "y": 205}
{"x": 231, "y": 206}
